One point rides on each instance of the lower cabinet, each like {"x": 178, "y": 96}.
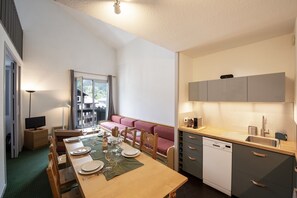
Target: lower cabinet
{"x": 256, "y": 173}
{"x": 261, "y": 173}
{"x": 192, "y": 154}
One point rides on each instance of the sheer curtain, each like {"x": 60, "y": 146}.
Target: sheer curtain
{"x": 110, "y": 98}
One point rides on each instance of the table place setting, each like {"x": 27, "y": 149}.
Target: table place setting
{"x": 72, "y": 139}
{"x": 81, "y": 150}
{"x": 130, "y": 152}
{"x": 91, "y": 167}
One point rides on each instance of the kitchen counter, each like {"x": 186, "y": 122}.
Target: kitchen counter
{"x": 285, "y": 147}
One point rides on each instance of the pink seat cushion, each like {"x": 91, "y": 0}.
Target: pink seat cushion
{"x": 111, "y": 125}
{"x": 138, "y": 135}
{"x": 148, "y": 127}
{"x": 129, "y": 122}
{"x": 165, "y": 132}
{"x": 116, "y": 118}
{"x": 163, "y": 145}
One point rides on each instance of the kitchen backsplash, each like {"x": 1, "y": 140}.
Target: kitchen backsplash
{"x": 238, "y": 116}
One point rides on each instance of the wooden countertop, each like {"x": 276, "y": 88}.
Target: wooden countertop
{"x": 285, "y": 147}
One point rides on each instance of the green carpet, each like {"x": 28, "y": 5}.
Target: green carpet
{"x": 26, "y": 175}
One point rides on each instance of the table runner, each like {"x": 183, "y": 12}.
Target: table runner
{"x": 126, "y": 165}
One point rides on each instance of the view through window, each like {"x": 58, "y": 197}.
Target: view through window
{"x": 91, "y": 101}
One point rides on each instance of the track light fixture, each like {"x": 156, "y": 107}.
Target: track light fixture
{"x": 117, "y": 7}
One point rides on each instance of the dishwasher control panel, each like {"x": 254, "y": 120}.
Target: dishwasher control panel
{"x": 217, "y": 144}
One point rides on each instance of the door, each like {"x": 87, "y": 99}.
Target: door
{"x": 91, "y": 101}
{"x": 12, "y": 106}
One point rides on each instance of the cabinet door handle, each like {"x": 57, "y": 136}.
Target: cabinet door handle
{"x": 258, "y": 184}
{"x": 192, "y": 148}
{"x": 192, "y": 158}
{"x": 259, "y": 154}
{"x": 191, "y": 137}
{"x": 296, "y": 169}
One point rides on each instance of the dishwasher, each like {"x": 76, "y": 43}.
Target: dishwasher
{"x": 217, "y": 164}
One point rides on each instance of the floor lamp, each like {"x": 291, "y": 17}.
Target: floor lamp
{"x": 30, "y": 92}
{"x": 63, "y": 116}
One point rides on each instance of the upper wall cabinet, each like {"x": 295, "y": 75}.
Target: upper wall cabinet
{"x": 266, "y": 88}
{"x": 260, "y": 88}
{"x": 231, "y": 89}
{"x": 198, "y": 91}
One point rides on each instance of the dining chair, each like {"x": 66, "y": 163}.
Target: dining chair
{"x": 149, "y": 143}
{"x": 129, "y": 136}
{"x": 61, "y": 158}
{"x": 54, "y": 183}
{"x": 65, "y": 176}
{"x": 60, "y": 134}
{"x": 115, "y": 132}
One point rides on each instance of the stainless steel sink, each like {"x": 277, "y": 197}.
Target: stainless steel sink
{"x": 263, "y": 141}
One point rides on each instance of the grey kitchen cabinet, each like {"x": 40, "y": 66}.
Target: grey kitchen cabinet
{"x": 261, "y": 173}
{"x": 192, "y": 154}
{"x": 198, "y": 91}
{"x": 266, "y": 88}
{"x": 230, "y": 89}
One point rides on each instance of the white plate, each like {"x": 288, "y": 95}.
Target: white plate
{"x": 130, "y": 156}
{"x": 91, "y": 166}
{"x": 90, "y": 172}
{"x": 80, "y": 150}
{"x": 72, "y": 139}
{"x": 131, "y": 151}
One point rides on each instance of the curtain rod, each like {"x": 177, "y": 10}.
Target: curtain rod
{"x": 92, "y": 73}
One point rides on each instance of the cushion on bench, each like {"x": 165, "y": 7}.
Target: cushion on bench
{"x": 110, "y": 125}
{"x": 116, "y": 118}
{"x": 163, "y": 145}
{"x": 146, "y": 126}
{"x": 129, "y": 122}
{"x": 165, "y": 132}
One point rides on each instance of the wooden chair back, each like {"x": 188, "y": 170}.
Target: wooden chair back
{"x": 149, "y": 143}
{"x": 55, "y": 168}
{"x": 60, "y": 134}
{"x": 53, "y": 180}
{"x": 131, "y": 132}
{"x": 115, "y": 132}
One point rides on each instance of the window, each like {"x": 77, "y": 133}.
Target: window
{"x": 91, "y": 101}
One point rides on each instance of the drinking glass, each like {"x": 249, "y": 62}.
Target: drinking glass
{"x": 109, "y": 157}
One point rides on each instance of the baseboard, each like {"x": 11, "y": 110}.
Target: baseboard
{"x": 2, "y": 190}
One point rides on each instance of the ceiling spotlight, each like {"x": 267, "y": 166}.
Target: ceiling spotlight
{"x": 117, "y": 7}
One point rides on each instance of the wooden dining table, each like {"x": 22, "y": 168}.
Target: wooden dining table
{"x": 152, "y": 180}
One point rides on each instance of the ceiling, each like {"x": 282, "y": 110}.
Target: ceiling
{"x": 194, "y": 27}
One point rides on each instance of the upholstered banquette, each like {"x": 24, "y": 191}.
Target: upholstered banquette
{"x": 165, "y": 133}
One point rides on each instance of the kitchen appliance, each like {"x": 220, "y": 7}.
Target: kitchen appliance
{"x": 217, "y": 164}
{"x": 195, "y": 123}
{"x": 253, "y": 130}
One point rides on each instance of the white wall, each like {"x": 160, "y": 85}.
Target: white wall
{"x": 4, "y": 40}
{"x": 146, "y": 82}
{"x": 268, "y": 56}
{"x": 185, "y": 107}
{"x": 55, "y": 42}
{"x": 295, "y": 101}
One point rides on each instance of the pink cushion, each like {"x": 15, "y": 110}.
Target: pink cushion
{"x": 130, "y": 136}
{"x": 116, "y": 118}
{"x": 165, "y": 132}
{"x": 148, "y": 127}
{"x": 129, "y": 122}
{"x": 163, "y": 145}
{"x": 111, "y": 125}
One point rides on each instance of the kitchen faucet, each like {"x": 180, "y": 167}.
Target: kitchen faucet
{"x": 263, "y": 129}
